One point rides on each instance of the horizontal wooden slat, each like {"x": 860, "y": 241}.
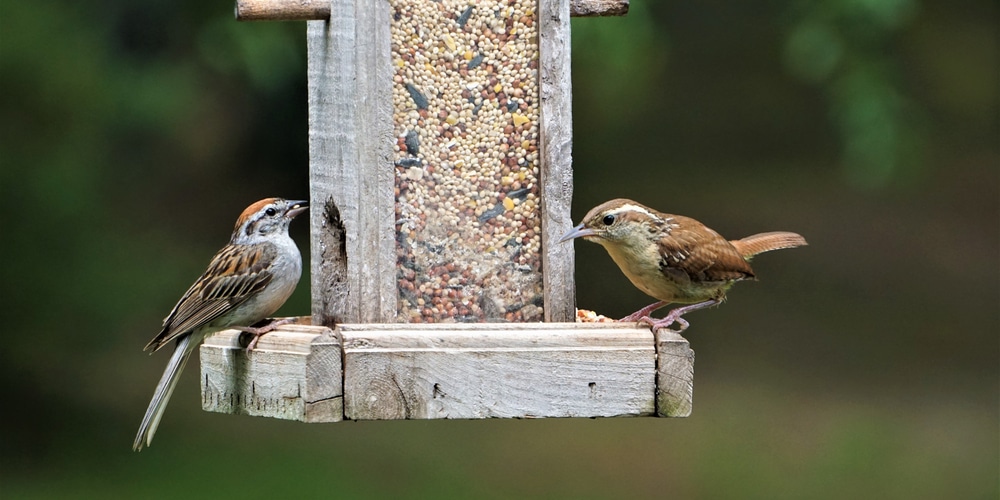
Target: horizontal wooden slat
{"x": 319, "y": 10}
{"x": 497, "y": 371}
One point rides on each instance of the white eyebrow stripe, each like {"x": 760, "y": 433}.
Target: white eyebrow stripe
{"x": 628, "y": 207}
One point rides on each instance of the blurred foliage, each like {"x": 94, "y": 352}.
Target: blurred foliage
{"x": 846, "y": 47}
{"x": 863, "y": 365}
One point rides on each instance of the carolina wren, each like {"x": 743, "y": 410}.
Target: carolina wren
{"x": 673, "y": 258}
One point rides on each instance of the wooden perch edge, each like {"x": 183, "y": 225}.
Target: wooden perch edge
{"x": 319, "y": 10}
{"x": 467, "y": 371}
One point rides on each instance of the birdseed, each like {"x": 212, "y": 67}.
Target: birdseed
{"x": 465, "y": 109}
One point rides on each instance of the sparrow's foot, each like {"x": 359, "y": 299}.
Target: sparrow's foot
{"x": 259, "y": 331}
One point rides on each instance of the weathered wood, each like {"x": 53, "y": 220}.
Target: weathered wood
{"x": 674, "y": 375}
{"x": 497, "y": 371}
{"x": 319, "y": 10}
{"x": 556, "y": 126}
{"x": 294, "y": 374}
{"x": 430, "y": 371}
{"x": 350, "y": 164}
{"x": 283, "y": 10}
{"x": 592, "y": 8}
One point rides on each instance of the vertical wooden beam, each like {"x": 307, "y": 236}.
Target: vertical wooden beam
{"x": 556, "y": 128}
{"x": 674, "y": 375}
{"x": 351, "y": 171}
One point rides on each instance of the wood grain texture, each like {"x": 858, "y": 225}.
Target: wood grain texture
{"x": 282, "y": 10}
{"x": 592, "y": 8}
{"x": 556, "y": 130}
{"x": 429, "y": 371}
{"x": 350, "y": 164}
{"x": 294, "y": 374}
{"x": 473, "y": 371}
{"x": 674, "y": 375}
{"x": 319, "y": 10}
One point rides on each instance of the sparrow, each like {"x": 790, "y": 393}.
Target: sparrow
{"x": 673, "y": 258}
{"x": 246, "y": 281}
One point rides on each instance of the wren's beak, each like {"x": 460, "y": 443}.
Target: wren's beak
{"x": 577, "y": 232}
{"x": 297, "y": 208}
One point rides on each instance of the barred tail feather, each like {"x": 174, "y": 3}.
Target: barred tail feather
{"x": 161, "y": 396}
{"x": 765, "y": 242}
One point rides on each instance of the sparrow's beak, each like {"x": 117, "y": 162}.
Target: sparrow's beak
{"x": 577, "y": 232}
{"x": 296, "y": 208}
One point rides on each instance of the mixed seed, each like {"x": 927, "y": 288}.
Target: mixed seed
{"x": 465, "y": 109}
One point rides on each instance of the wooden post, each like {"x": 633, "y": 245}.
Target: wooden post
{"x": 558, "y": 260}
{"x": 351, "y": 173}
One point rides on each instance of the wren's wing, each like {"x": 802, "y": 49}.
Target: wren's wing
{"x": 235, "y": 274}
{"x": 695, "y": 253}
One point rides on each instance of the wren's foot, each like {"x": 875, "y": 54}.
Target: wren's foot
{"x": 674, "y": 316}
{"x": 644, "y": 312}
{"x": 257, "y": 332}
{"x": 656, "y": 324}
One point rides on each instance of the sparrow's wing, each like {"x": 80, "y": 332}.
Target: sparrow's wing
{"x": 235, "y": 274}
{"x": 699, "y": 254}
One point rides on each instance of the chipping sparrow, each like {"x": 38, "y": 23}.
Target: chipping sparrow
{"x": 673, "y": 258}
{"x": 248, "y": 280}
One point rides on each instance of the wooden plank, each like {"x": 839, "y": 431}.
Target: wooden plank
{"x": 556, "y": 129}
{"x": 319, "y": 10}
{"x": 429, "y": 371}
{"x": 592, "y": 8}
{"x": 674, "y": 375}
{"x": 282, "y": 10}
{"x": 497, "y": 371}
{"x": 351, "y": 170}
{"x": 294, "y": 374}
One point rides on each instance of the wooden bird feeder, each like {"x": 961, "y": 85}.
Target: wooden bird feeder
{"x": 440, "y": 182}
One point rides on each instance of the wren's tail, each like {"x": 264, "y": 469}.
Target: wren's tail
{"x": 765, "y": 242}
{"x": 182, "y": 352}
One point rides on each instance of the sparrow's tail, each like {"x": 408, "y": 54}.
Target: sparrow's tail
{"x": 765, "y": 242}
{"x": 182, "y": 352}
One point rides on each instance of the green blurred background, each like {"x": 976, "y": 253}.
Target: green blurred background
{"x": 862, "y": 366}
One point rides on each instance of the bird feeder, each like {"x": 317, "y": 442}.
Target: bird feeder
{"x": 440, "y": 182}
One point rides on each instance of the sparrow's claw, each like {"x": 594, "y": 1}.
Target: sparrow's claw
{"x": 258, "y": 332}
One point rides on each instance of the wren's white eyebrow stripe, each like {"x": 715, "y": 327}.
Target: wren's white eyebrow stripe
{"x": 628, "y": 207}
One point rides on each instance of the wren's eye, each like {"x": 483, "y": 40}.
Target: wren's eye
{"x": 608, "y": 220}
{"x": 270, "y": 212}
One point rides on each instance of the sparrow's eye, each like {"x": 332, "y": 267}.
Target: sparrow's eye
{"x": 608, "y": 220}
{"x": 270, "y": 212}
